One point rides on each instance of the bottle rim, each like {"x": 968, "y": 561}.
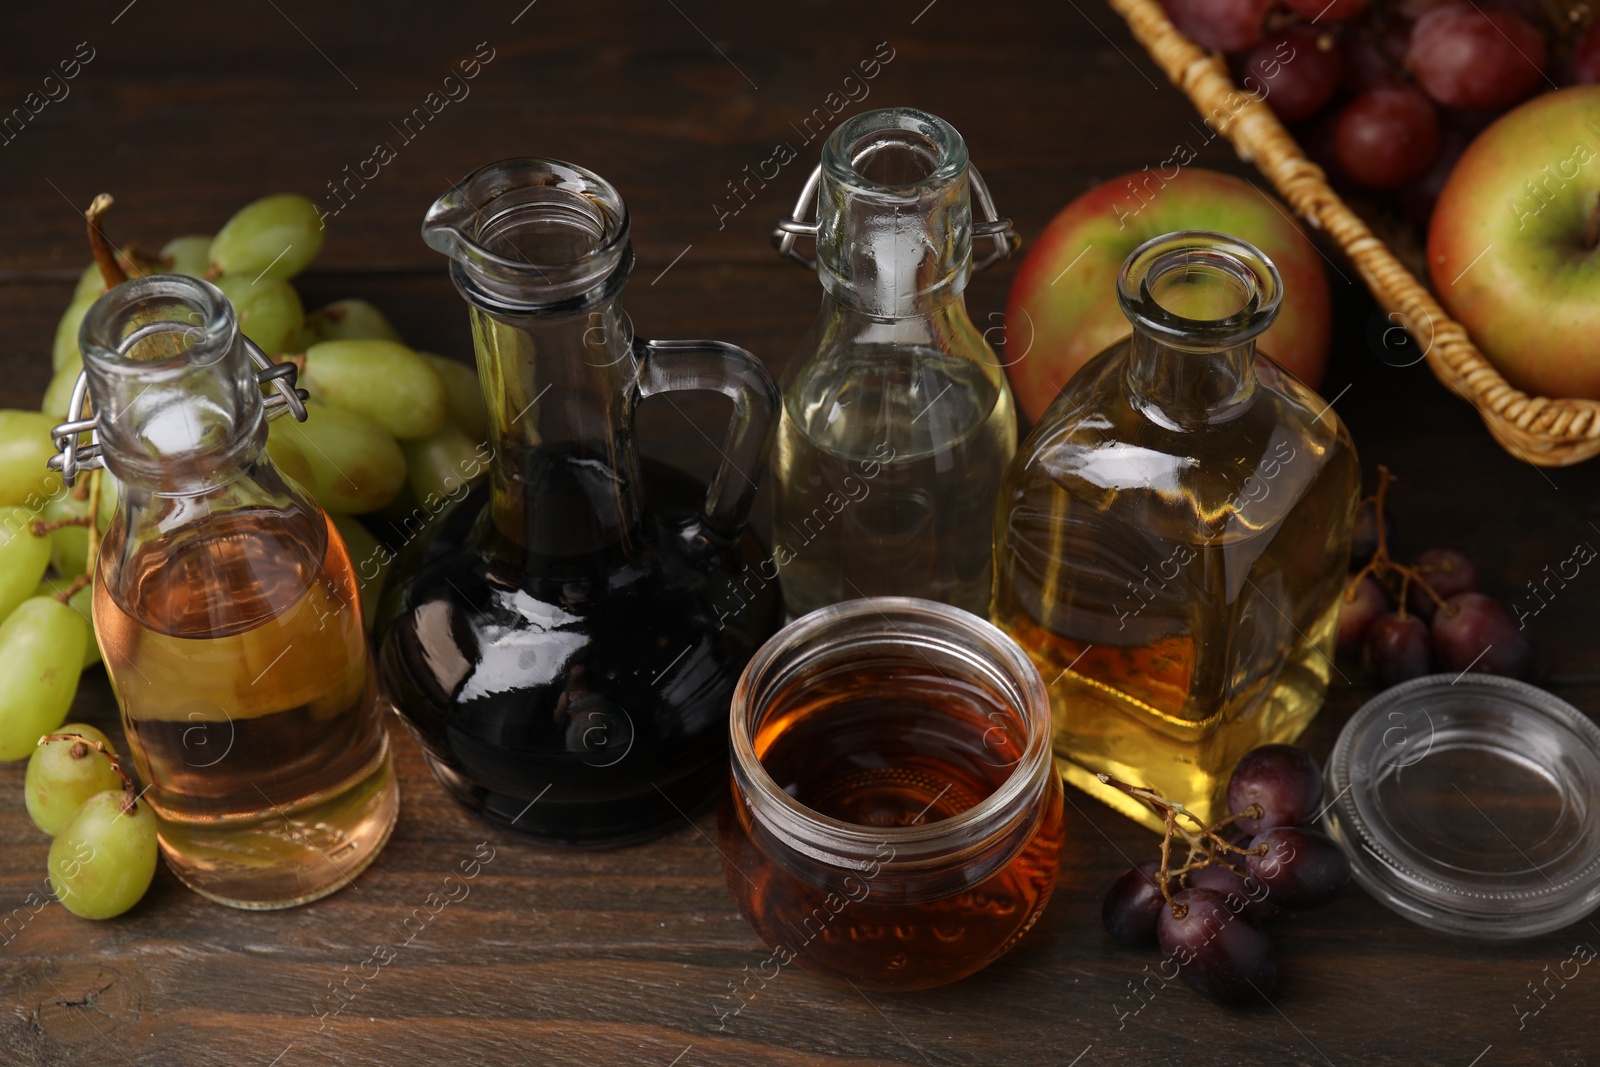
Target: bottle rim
{"x": 211, "y": 328}
{"x": 841, "y": 631}
{"x": 923, "y": 140}
{"x": 579, "y": 218}
{"x": 1216, "y": 256}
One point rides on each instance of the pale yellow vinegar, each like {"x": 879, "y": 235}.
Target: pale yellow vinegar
{"x": 246, "y": 693}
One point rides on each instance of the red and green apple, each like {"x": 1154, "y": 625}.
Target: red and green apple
{"x": 1062, "y": 311}
{"x": 1512, "y": 244}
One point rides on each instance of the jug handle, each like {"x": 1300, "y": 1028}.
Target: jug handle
{"x": 678, "y": 366}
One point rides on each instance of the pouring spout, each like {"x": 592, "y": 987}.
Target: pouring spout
{"x": 527, "y": 234}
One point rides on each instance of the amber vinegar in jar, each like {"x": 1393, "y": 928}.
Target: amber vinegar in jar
{"x": 894, "y": 817}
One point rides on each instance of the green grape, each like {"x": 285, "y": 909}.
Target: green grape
{"x": 25, "y": 447}
{"x": 269, "y": 310}
{"x": 346, "y": 461}
{"x": 442, "y": 465}
{"x": 277, "y": 236}
{"x": 63, "y": 774}
{"x": 66, "y": 344}
{"x": 41, "y": 655}
{"x": 467, "y": 409}
{"x": 83, "y": 603}
{"x": 383, "y": 380}
{"x": 369, "y": 563}
{"x": 91, "y": 283}
{"x": 346, "y": 320}
{"x": 103, "y": 860}
{"x": 58, "y": 394}
{"x": 69, "y": 546}
{"x": 23, "y": 558}
{"x": 189, "y": 255}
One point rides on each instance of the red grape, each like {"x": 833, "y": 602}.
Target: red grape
{"x": 1302, "y": 869}
{"x": 1364, "y": 535}
{"x": 1418, "y": 198}
{"x": 1366, "y": 67}
{"x": 1284, "y": 780}
{"x": 1387, "y": 136}
{"x": 1586, "y": 57}
{"x": 1296, "y": 70}
{"x": 1449, "y": 571}
{"x": 1474, "y": 632}
{"x": 1326, "y": 10}
{"x": 1246, "y": 895}
{"x": 1220, "y": 25}
{"x": 1471, "y": 57}
{"x": 1356, "y": 613}
{"x": 1411, "y": 9}
{"x": 1222, "y": 956}
{"x": 1398, "y": 648}
{"x": 1132, "y": 905}
{"x": 1395, "y": 40}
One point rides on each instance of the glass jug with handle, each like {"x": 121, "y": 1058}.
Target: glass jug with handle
{"x": 564, "y": 645}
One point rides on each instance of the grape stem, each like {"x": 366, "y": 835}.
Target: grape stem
{"x": 42, "y": 528}
{"x": 72, "y": 590}
{"x": 130, "y": 788}
{"x": 1381, "y": 565}
{"x": 1205, "y": 841}
{"x": 105, "y": 256}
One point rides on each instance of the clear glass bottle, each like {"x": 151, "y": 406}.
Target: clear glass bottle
{"x": 897, "y": 421}
{"x": 565, "y": 641}
{"x": 1172, "y": 539}
{"x": 227, "y": 613}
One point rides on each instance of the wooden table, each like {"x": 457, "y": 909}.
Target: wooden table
{"x": 186, "y": 111}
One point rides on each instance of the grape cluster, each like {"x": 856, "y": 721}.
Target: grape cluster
{"x": 1429, "y": 616}
{"x": 1387, "y": 95}
{"x": 104, "y": 853}
{"x": 1208, "y": 914}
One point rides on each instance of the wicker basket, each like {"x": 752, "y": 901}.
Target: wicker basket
{"x": 1549, "y": 433}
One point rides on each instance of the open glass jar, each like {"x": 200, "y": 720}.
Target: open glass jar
{"x": 894, "y": 817}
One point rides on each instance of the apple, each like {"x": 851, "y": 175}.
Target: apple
{"x": 1063, "y": 311}
{"x": 1511, "y": 245}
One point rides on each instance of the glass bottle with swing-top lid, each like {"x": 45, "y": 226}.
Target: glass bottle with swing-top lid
{"x": 897, "y": 420}
{"x": 225, "y": 607}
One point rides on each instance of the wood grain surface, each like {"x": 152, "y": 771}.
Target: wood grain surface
{"x": 186, "y": 111}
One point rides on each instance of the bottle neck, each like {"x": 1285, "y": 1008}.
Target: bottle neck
{"x": 564, "y": 480}
{"x": 179, "y": 408}
{"x": 896, "y": 252}
{"x": 1187, "y": 388}
{"x": 539, "y": 250}
{"x": 1197, "y": 301}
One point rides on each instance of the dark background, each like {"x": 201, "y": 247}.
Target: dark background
{"x": 189, "y": 110}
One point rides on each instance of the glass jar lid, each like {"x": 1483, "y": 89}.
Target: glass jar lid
{"x": 1471, "y": 805}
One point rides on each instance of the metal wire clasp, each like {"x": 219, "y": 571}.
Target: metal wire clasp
{"x": 72, "y": 457}
{"x": 794, "y": 226}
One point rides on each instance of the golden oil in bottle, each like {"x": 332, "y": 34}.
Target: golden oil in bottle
{"x": 1172, "y": 538}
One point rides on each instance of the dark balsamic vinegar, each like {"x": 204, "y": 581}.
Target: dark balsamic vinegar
{"x": 576, "y": 693}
